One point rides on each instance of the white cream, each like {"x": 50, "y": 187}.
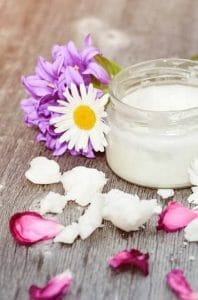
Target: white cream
{"x": 150, "y": 155}
{"x": 163, "y": 97}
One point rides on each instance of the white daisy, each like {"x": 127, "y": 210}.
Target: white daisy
{"x": 82, "y": 118}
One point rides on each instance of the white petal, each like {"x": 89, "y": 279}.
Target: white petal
{"x": 57, "y": 119}
{"x": 103, "y": 100}
{"x": 82, "y": 143}
{"x": 91, "y": 94}
{"x": 67, "y": 95}
{"x": 43, "y": 171}
{"x": 104, "y": 127}
{"x": 83, "y": 91}
{"x": 52, "y": 203}
{"x": 63, "y": 126}
{"x": 67, "y": 135}
{"x": 68, "y": 234}
{"x": 73, "y": 140}
{"x": 75, "y": 92}
{"x": 58, "y": 109}
{"x": 61, "y": 102}
{"x": 95, "y": 138}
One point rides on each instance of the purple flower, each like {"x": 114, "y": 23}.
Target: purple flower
{"x": 47, "y": 85}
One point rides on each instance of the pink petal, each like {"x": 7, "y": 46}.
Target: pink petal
{"x": 55, "y": 289}
{"x": 175, "y": 216}
{"x": 29, "y": 227}
{"x": 132, "y": 258}
{"x": 180, "y": 286}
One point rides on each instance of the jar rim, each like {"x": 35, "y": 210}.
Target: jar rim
{"x": 177, "y": 66}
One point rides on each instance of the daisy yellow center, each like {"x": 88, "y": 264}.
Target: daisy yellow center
{"x": 84, "y": 117}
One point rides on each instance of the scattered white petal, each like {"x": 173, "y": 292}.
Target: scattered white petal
{"x": 43, "y": 171}
{"x": 127, "y": 211}
{"x": 81, "y": 184}
{"x": 53, "y": 203}
{"x": 68, "y": 234}
{"x": 194, "y": 189}
{"x": 165, "y": 193}
{"x": 92, "y": 217}
{"x": 191, "y": 231}
{"x": 193, "y": 172}
{"x": 193, "y": 198}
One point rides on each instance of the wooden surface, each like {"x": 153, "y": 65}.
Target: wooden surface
{"x": 127, "y": 31}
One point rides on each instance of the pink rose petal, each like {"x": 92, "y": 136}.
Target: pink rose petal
{"x": 30, "y": 227}
{"x": 175, "y": 216}
{"x": 132, "y": 258}
{"x": 55, "y": 289}
{"x": 180, "y": 286}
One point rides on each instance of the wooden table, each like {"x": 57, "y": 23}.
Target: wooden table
{"x": 127, "y": 31}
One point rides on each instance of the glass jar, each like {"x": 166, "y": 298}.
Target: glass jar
{"x": 148, "y": 147}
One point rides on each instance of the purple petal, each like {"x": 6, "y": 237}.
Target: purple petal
{"x": 74, "y": 53}
{"x": 70, "y": 75}
{"x": 97, "y": 71}
{"x": 37, "y": 87}
{"x": 44, "y": 70}
{"x": 60, "y": 149}
{"x": 29, "y": 107}
{"x": 87, "y": 41}
{"x": 88, "y": 53}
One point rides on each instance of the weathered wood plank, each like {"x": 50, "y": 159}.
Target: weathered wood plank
{"x": 128, "y": 31}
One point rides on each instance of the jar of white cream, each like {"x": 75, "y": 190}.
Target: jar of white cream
{"x": 153, "y": 116}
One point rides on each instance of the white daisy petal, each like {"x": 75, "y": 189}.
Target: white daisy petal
{"x": 64, "y": 103}
{"x": 94, "y": 140}
{"x": 67, "y": 95}
{"x": 65, "y": 122}
{"x": 74, "y": 138}
{"x": 75, "y": 92}
{"x": 82, "y": 142}
{"x": 58, "y": 109}
{"x": 83, "y": 91}
{"x": 62, "y": 128}
{"x": 103, "y": 100}
{"x": 57, "y": 119}
{"x": 67, "y": 135}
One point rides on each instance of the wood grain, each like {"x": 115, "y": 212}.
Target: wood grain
{"x": 127, "y": 31}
